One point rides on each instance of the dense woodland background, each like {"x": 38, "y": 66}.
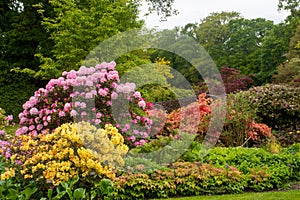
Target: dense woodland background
{"x": 40, "y": 39}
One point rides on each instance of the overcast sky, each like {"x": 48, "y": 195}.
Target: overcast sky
{"x": 191, "y": 11}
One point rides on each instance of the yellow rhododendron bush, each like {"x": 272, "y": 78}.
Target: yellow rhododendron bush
{"x": 73, "y": 150}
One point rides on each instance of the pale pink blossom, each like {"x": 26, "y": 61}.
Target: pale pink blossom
{"x": 137, "y": 95}
{"x": 142, "y": 104}
{"x": 108, "y": 103}
{"x": 61, "y": 114}
{"x": 97, "y": 121}
{"x": 82, "y": 105}
{"x": 73, "y": 113}
{"x": 39, "y": 127}
{"x": 67, "y": 107}
{"x": 99, "y": 115}
{"x": 102, "y": 92}
{"x": 32, "y": 127}
{"x": 48, "y": 118}
{"x": 114, "y": 95}
{"x": 9, "y": 118}
{"x": 34, "y": 111}
{"x": 71, "y": 74}
{"x": 89, "y": 95}
{"x": 77, "y": 104}
{"x": 111, "y": 65}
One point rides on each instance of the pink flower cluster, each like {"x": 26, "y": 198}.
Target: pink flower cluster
{"x": 87, "y": 95}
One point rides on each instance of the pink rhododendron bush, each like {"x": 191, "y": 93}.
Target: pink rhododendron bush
{"x": 88, "y": 95}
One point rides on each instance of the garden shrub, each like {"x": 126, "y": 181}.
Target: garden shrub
{"x": 197, "y": 178}
{"x": 272, "y": 170}
{"x": 180, "y": 179}
{"x": 87, "y": 95}
{"x": 276, "y": 105}
{"x": 195, "y": 114}
{"x": 234, "y": 81}
{"x": 287, "y": 137}
{"x": 240, "y": 123}
{"x": 240, "y": 126}
{"x": 71, "y": 151}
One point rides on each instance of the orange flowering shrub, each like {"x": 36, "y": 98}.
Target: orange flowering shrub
{"x": 194, "y": 116}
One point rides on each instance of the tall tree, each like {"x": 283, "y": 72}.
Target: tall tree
{"x": 244, "y": 44}
{"x": 289, "y": 71}
{"x": 213, "y": 32}
{"x": 77, "y": 27}
{"x": 273, "y": 52}
{"x": 21, "y": 38}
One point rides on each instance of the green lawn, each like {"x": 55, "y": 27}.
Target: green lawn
{"x": 286, "y": 195}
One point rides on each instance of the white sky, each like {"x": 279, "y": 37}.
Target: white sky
{"x": 191, "y": 11}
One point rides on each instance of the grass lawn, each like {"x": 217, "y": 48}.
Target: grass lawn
{"x": 286, "y": 195}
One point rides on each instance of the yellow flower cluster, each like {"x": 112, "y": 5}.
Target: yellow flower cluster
{"x": 9, "y": 172}
{"x": 72, "y": 150}
{"x": 106, "y": 145}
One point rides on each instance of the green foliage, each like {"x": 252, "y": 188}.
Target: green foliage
{"x": 269, "y": 170}
{"x": 276, "y": 105}
{"x": 288, "y": 136}
{"x": 77, "y": 194}
{"x": 233, "y": 170}
{"x": 3, "y": 120}
{"x": 78, "y": 27}
{"x": 13, "y": 190}
{"x": 243, "y": 49}
{"x": 238, "y": 116}
{"x": 14, "y": 95}
{"x": 288, "y": 72}
{"x": 162, "y": 7}
{"x": 273, "y": 51}
{"x": 212, "y": 33}
{"x": 182, "y": 179}
{"x": 290, "y": 5}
